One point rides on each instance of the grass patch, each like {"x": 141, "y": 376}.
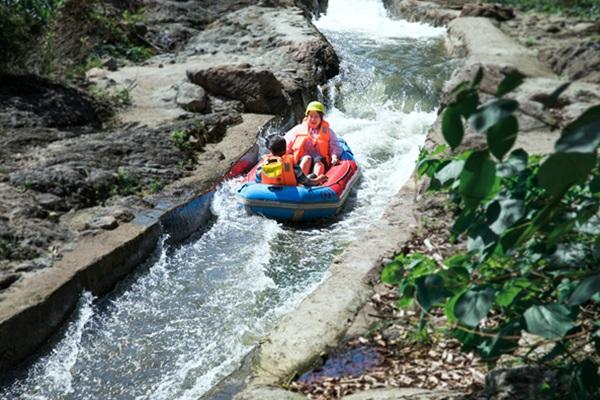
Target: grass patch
{"x": 120, "y": 98}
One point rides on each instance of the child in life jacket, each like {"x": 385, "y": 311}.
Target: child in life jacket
{"x": 278, "y": 168}
{"x": 313, "y": 143}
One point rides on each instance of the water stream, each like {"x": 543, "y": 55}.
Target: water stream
{"x": 184, "y": 320}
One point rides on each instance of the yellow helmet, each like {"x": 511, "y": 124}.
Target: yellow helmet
{"x": 315, "y": 106}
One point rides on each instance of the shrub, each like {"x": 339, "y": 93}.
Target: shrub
{"x": 20, "y": 21}
{"x": 531, "y": 226}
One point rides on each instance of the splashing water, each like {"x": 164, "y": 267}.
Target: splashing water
{"x": 184, "y": 320}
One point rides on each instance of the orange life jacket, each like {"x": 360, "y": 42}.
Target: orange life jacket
{"x": 287, "y": 177}
{"x": 302, "y": 134}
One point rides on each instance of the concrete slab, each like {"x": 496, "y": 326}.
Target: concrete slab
{"x": 482, "y": 42}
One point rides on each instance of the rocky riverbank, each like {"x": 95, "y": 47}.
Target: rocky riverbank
{"x": 81, "y": 195}
{"x": 500, "y": 41}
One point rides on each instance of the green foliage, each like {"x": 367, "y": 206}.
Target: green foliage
{"x": 181, "y": 139}
{"x": 156, "y": 185}
{"x": 24, "y": 31}
{"x": 127, "y": 184}
{"x": 119, "y": 98}
{"x": 589, "y": 9}
{"x": 193, "y": 137}
{"x": 531, "y": 226}
{"x": 119, "y": 33}
{"x": 20, "y": 21}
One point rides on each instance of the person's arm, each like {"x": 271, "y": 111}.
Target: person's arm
{"x": 258, "y": 179}
{"x": 290, "y": 137}
{"x": 335, "y": 149}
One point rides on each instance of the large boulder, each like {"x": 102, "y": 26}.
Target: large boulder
{"x": 258, "y": 89}
{"x": 29, "y": 100}
{"x": 522, "y": 383}
{"x": 191, "y": 97}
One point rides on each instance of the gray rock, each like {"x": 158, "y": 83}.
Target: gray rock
{"x": 110, "y": 64}
{"x": 191, "y": 97}
{"x": 494, "y": 11}
{"x": 49, "y": 201}
{"x": 426, "y": 11}
{"x": 268, "y": 393}
{"x": 6, "y": 280}
{"x": 521, "y": 383}
{"x": 37, "y": 101}
{"x": 107, "y": 222}
{"x": 258, "y": 89}
{"x": 404, "y": 394}
{"x": 576, "y": 61}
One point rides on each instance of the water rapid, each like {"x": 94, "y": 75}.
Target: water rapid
{"x": 184, "y": 320}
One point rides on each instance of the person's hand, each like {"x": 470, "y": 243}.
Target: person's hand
{"x": 334, "y": 160}
{"x": 321, "y": 179}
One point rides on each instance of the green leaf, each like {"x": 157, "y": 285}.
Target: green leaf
{"x": 449, "y": 172}
{"x": 595, "y": 184}
{"x": 393, "y": 273}
{"x": 506, "y": 297}
{"x": 404, "y": 302}
{"x": 492, "y": 348}
{"x": 581, "y": 135}
{"x": 551, "y": 100}
{"x": 481, "y": 239}
{"x": 514, "y": 165}
{"x": 558, "y": 232}
{"x": 502, "y": 136}
{"x": 586, "y": 289}
{"x": 477, "y": 179}
{"x": 419, "y": 265}
{"x": 562, "y": 170}
{"x": 452, "y": 126}
{"x": 464, "y": 85}
{"x": 454, "y": 278}
{"x": 551, "y": 321}
{"x": 510, "y": 82}
{"x": 596, "y": 338}
{"x": 474, "y": 304}
{"x": 449, "y": 308}
{"x": 406, "y": 290}
{"x": 459, "y": 260}
{"x": 466, "y": 102}
{"x": 565, "y": 289}
{"x": 491, "y": 113}
{"x": 430, "y": 290}
{"x": 581, "y": 379}
{"x": 464, "y": 221}
{"x": 504, "y": 213}
{"x": 511, "y": 236}
{"x": 477, "y": 78}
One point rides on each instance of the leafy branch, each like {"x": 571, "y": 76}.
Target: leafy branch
{"x": 523, "y": 217}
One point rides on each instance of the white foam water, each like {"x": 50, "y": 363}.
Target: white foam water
{"x": 370, "y": 18}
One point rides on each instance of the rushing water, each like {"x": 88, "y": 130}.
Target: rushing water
{"x": 185, "y": 320}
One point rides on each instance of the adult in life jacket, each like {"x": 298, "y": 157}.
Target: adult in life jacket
{"x": 278, "y": 168}
{"x": 313, "y": 143}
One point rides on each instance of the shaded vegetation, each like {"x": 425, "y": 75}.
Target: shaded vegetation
{"x": 57, "y": 37}
{"x": 20, "y": 21}
{"x": 531, "y": 225}
{"x": 588, "y": 9}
